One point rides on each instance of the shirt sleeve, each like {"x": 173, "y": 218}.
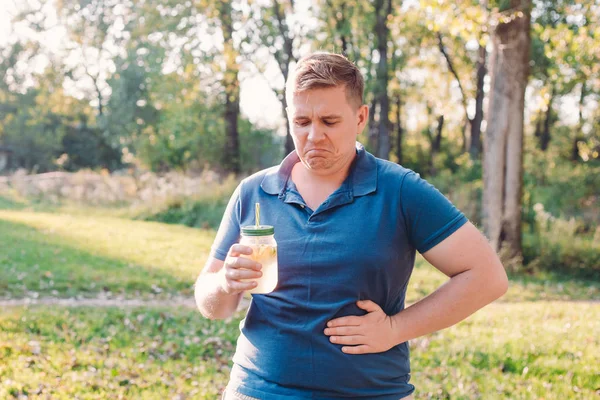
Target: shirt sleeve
{"x": 229, "y": 229}
{"x": 429, "y": 216}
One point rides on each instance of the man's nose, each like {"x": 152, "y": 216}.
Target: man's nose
{"x": 315, "y": 132}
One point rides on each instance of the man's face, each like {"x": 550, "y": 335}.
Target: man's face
{"x": 324, "y": 127}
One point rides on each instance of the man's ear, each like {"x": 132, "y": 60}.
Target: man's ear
{"x": 363, "y": 117}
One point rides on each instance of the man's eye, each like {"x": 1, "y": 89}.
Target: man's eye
{"x": 302, "y": 123}
{"x": 328, "y": 123}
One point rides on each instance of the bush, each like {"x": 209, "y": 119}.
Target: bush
{"x": 463, "y": 186}
{"x": 566, "y": 189}
{"x": 555, "y": 244}
{"x": 561, "y": 214}
{"x": 202, "y": 211}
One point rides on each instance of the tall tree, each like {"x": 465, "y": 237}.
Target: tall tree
{"x": 469, "y": 24}
{"x": 231, "y": 160}
{"x": 503, "y": 146}
{"x": 94, "y": 29}
{"x": 276, "y": 34}
{"x": 565, "y": 62}
{"x": 475, "y": 144}
{"x": 383, "y": 10}
{"x": 343, "y": 23}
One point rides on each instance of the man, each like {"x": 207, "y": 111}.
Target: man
{"x": 347, "y": 226}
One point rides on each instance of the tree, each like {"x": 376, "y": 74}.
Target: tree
{"x": 475, "y": 145}
{"x": 503, "y": 146}
{"x": 565, "y": 62}
{"x": 383, "y": 10}
{"x": 457, "y": 26}
{"x": 275, "y": 32}
{"x": 343, "y": 23}
{"x": 231, "y": 159}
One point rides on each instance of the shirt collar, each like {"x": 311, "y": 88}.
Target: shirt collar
{"x": 361, "y": 181}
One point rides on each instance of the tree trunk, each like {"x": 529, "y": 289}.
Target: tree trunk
{"x": 382, "y": 31}
{"x": 545, "y": 133}
{"x": 284, "y": 58}
{"x": 475, "y": 145}
{"x": 399, "y": 132}
{"x": 289, "y": 142}
{"x": 578, "y": 138}
{"x": 341, "y": 25}
{"x": 373, "y": 129}
{"x": 538, "y": 126}
{"x": 344, "y": 44}
{"x": 231, "y": 155}
{"x": 503, "y": 147}
{"x": 436, "y": 145}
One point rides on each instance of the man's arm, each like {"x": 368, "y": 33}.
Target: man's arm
{"x": 477, "y": 278}
{"x": 219, "y": 287}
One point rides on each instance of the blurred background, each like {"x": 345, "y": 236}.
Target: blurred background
{"x": 126, "y": 125}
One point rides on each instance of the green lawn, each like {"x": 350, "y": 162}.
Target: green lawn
{"x": 64, "y": 255}
{"x": 536, "y": 350}
{"x": 542, "y": 340}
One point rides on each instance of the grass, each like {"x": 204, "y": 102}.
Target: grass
{"x": 111, "y": 353}
{"x": 516, "y": 351}
{"x": 10, "y": 203}
{"x": 547, "y": 350}
{"x": 64, "y": 255}
{"x": 542, "y": 340}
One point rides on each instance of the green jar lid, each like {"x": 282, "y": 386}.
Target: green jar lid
{"x": 261, "y": 230}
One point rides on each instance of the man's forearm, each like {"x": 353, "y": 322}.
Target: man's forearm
{"x": 454, "y": 301}
{"x": 211, "y": 300}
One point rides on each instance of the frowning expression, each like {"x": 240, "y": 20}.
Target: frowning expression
{"x": 324, "y": 128}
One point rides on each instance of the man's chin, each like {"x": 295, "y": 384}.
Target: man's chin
{"x": 318, "y": 164}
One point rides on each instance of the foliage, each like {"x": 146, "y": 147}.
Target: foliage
{"x": 147, "y": 86}
{"x": 204, "y": 211}
{"x": 565, "y": 189}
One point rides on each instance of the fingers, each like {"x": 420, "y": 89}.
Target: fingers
{"x": 352, "y": 339}
{"x": 239, "y": 249}
{"x": 242, "y": 262}
{"x": 362, "y": 349}
{"x": 238, "y": 287}
{"x": 237, "y": 274}
{"x": 343, "y": 330}
{"x": 238, "y": 270}
{"x": 344, "y": 321}
{"x": 368, "y": 305}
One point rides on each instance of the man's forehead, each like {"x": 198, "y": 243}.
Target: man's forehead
{"x": 311, "y": 101}
{"x": 321, "y": 109}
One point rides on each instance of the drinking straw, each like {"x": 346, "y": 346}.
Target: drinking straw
{"x": 257, "y": 215}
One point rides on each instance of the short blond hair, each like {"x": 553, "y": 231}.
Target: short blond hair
{"x": 323, "y": 70}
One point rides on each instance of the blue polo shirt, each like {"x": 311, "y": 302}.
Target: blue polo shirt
{"x": 359, "y": 244}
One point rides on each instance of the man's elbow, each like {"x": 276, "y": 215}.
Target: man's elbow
{"x": 209, "y": 313}
{"x": 208, "y": 308}
{"x": 201, "y": 304}
{"x": 211, "y": 316}
{"x": 500, "y": 283}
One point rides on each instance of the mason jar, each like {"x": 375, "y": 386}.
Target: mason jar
{"x": 264, "y": 251}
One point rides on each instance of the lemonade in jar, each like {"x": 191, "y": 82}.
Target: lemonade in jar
{"x": 264, "y": 251}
